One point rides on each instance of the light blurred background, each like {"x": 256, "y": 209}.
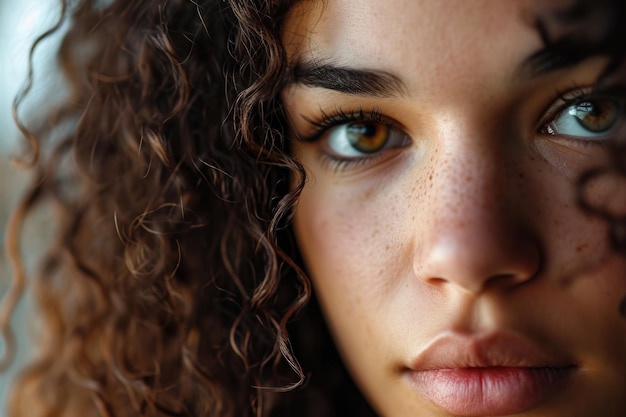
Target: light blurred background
{"x": 20, "y": 22}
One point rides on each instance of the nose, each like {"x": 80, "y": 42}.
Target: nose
{"x": 478, "y": 235}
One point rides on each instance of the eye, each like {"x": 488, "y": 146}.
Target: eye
{"x": 587, "y": 119}
{"x": 362, "y": 138}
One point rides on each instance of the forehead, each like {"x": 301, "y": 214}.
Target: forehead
{"x": 443, "y": 37}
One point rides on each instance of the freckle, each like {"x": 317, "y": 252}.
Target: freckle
{"x": 582, "y": 247}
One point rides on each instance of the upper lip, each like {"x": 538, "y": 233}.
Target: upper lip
{"x": 498, "y": 349}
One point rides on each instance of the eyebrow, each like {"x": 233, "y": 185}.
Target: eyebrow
{"x": 354, "y": 81}
{"x": 545, "y": 61}
{"x": 383, "y": 84}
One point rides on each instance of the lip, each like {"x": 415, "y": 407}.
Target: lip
{"x": 496, "y": 374}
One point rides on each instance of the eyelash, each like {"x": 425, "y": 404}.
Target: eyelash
{"x": 339, "y": 117}
{"x": 562, "y": 99}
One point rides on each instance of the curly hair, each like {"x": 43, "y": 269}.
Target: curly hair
{"x": 173, "y": 283}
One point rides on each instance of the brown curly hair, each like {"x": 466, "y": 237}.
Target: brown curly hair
{"x": 174, "y": 283}
{"x": 171, "y": 283}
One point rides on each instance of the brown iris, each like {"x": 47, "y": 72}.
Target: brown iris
{"x": 367, "y": 137}
{"x": 596, "y": 116}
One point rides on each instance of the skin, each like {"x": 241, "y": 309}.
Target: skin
{"x": 472, "y": 226}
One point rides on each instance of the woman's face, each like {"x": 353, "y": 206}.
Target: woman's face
{"x": 439, "y": 222}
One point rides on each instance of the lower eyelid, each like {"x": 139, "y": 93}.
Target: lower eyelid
{"x": 333, "y": 163}
{"x": 337, "y": 163}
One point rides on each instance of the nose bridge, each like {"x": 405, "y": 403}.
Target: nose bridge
{"x": 477, "y": 235}
{"x": 470, "y": 182}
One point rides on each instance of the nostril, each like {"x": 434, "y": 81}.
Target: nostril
{"x": 496, "y": 282}
{"x": 437, "y": 282}
{"x": 502, "y": 281}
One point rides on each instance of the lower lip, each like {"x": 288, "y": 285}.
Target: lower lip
{"x": 493, "y": 391}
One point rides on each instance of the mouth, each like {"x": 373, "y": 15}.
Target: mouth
{"x": 495, "y": 375}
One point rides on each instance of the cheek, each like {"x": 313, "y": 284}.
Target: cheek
{"x": 351, "y": 239}
{"x": 350, "y": 246}
{"x": 347, "y": 241}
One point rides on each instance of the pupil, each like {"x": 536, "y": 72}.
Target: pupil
{"x": 369, "y": 130}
